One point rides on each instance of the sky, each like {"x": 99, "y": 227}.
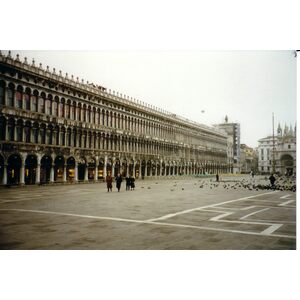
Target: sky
{"x": 203, "y": 86}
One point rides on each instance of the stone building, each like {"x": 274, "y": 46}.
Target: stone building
{"x": 284, "y": 152}
{"x": 248, "y": 159}
{"x": 233, "y": 143}
{"x": 55, "y": 128}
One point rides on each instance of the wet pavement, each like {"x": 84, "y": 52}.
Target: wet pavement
{"x": 179, "y": 213}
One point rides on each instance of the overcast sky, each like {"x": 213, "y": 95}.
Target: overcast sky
{"x": 202, "y": 86}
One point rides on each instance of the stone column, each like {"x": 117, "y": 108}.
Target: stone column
{"x": 22, "y": 173}
{"x": 6, "y": 133}
{"x": 76, "y": 172}
{"x": 38, "y": 174}
{"x": 4, "y": 179}
{"x": 96, "y": 172}
{"x": 104, "y": 168}
{"x": 140, "y": 169}
{"x": 52, "y": 174}
{"x": 86, "y": 178}
{"x": 65, "y": 173}
{"x": 113, "y": 171}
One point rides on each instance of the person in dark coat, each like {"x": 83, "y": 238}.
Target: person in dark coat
{"x": 272, "y": 180}
{"x": 119, "y": 181}
{"x": 217, "y": 177}
{"x": 109, "y": 180}
{"x": 132, "y": 184}
{"x": 127, "y": 183}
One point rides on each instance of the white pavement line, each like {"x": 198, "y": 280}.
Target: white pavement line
{"x": 222, "y": 230}
{"x": 286, "y": 203}
{"x": 271, "y": 229}
{"x": 253, "y": 213}
{"x": 217, "y": 218}
{"x": 285, "y": 196}
{"x": 248, "y": 207}
{"x": 70, "y": 215}
{"x": 153, "y": 223}
{"x": 206, "y": 206}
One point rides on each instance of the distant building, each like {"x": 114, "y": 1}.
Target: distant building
{"x": 233, "y": 144}
{"x": 284, "y": 152}
{"x": 248, "y": 159}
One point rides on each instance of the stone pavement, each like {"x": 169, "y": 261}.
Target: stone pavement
{"x": 184, "y": 213}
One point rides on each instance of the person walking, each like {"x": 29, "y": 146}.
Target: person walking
{"x": 118, "y": 181}
{"x": 109, "y": 180}
{"x": 132, "y": 184}
{"x": 127, "y": 183}
{"x": 272, "y": 181}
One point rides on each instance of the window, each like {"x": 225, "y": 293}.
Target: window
{"x": 42, "y": 105}
{"x": 18, "y": 99}
{"x": 34, "y": 103}
{"x": 27, "y": 101}
{"x": 2, "y": 99}
{"x": 268, "y": 168}
{"x": 10, "y": 96}
{"x": 55, "y": 108}
{"x": 19, "y": 134}
{"x": 262, "y": 168}
{"x": 289, "y": 146}
{"x": 48, "y": 107}
{"x": 61, "y": 110}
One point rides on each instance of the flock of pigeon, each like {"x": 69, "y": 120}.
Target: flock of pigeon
{"x": 281, "y": 184}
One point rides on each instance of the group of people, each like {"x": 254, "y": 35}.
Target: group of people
{"x": 130, "y": 182}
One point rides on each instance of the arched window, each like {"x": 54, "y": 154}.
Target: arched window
{"x": 10, "y": 95}
{"x": 49, "y": 105}
{"x": 55, "y": 106}
{"x": 79, "y": 112}
{"x": 68, "y": 110}
{"x": 20, "y": 131}
{"x": 11, "y": 130}
{"x": 34, "y": 97}
{"x": 19, "y": 99}
{"x": 62, "y": 108}
{"x": 2, "y": 98}
{"x": 42, "y": 103}
{"x": 27, "y": 99}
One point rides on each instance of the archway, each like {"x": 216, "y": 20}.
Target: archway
{"x": 143, "y": 168}
{"x": 167, "y": 170}
{"x": 153, "y": 171}
{"x": 124, "y": 168}
{"x": 91, "y": 169}
{"x": 149, "y": 165}
{"x": 101, "y": 169}
{"x": 287, "y": 164}
{"x": 163, "y": 169}
{"x": 81, "y": 169}
{"x": 109, "y": 167}
{"x": 46, "y": 164}
{"x": 131, "y": 164}
{"x": 70, "y": 169}
{"x": 30, "y": 169}
{"x": 59, "y": 164}
{"x": 14, "y": 164}
{"x": 137, "y": 169}
{"x": 117, "y": 167}
{"x": 1, "y": 168}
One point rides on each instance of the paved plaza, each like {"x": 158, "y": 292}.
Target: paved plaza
{"x": 184, "y": 213}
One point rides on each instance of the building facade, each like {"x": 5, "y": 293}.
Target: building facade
{"x": 55, "y": 128}
{"x": 284, "y": 149}
{"x": 233, "y": 151}
{"x": 248, "y": 159}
